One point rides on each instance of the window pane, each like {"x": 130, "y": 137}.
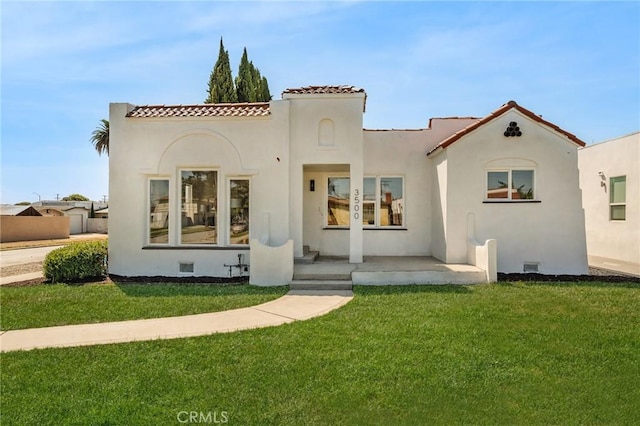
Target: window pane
{"x": 159, "y": 211}
{"x": 618, "y": 212}
{"x": 369, "y": 201}
{"x": 239, "y": 212}
{"x": 497, "y": 184}
{"x": 199, "y": 204}
{"x": 522, "y": 185}
{"x": 391, "y": 201}
{"x": 618, "y": 189}
{"x": 338, "y": 202}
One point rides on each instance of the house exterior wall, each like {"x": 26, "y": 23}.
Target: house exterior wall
{"x": 401, "y": 154}
{"x": 550, "y": 232}
{"x": 311, "y": 144}
{"x": 439, "y": 173}
{"x": 144, "y": 148}
{"x": 312, "y": 137}
{"x": 613, "y": 239}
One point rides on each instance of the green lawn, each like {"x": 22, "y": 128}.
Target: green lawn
{"x": 60, "y": 304}
{"x": 486, "y": 354}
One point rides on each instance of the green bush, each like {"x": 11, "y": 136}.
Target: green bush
{"x": 76, "y": 262}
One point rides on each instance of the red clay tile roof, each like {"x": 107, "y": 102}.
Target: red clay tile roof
{"x": 327, "y": 90}
{"x": 316, "y": 90}
{"x": 259, "y": 109}
{"x": 504, "y": 108}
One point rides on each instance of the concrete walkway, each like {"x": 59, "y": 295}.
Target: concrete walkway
{"x": 22, "y": 278}
{"x": 294, "y": 306}
{"x": 615, "y": 265}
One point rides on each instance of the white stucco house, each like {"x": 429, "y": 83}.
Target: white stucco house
{"x": 194, "y": 186}
{"x": 610, "y": 182}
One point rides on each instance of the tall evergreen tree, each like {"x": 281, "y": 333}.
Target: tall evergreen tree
{"x": 221, "y": 87}
{"x": 265, "y": 94}
{"x": 260, "y": 86}
{"x": 244, "y": 80}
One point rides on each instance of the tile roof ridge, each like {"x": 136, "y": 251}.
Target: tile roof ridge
{"x": 202, "y": 105}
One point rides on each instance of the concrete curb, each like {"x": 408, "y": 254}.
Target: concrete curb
{"x": 294, "y": 306}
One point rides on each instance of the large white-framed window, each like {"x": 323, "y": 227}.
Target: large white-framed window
{"x": 158, "y": 208}
{"x": 199, "y": 206}
{"x": 382, "y": 202}
{"x": 369, "y": 191}
{"x": 618, "y": 198}
{"x": 510, "y": 185}
{"x": 338, "y": 196}
{"x": 239, "y": 220}
{"x": 391, "y": 201}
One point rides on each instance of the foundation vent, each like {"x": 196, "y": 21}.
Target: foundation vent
{"x": 186, "y": 267}
{"x": 531, "y": 267}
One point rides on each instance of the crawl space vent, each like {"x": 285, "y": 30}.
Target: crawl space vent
{"x": 186, "y": 267}
{"x": 531, "y": 267}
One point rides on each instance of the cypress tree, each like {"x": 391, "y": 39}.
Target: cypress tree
{"x": 260, "y": 87}
{"x": 265, "y": 95}
{"x": 221, "y": 87}
{"x": 244, "y": 80}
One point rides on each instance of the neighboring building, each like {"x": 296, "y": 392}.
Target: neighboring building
{"x": 11, "y": 210}
{"x": 194, "y": 186}
{"x": 102, "y": 213}
{"x": 610, "y": 183}
{"x": 77, "y": 211}
{"x": 25, "y": 223}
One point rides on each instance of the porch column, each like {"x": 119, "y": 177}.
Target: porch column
{"x": 355, "y": 223}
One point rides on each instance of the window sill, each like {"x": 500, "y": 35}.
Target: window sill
{"x": 512, "y": 202}
{"x": 204, "y": 247}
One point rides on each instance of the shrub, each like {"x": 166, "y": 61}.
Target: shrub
{"x": 76, "y": 262}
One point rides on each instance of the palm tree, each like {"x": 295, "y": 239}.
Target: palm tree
{"x": 100, "y": 137}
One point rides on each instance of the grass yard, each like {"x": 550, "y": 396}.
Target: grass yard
{"x": 508, "y": 353}
{"x": 61, "y": 304}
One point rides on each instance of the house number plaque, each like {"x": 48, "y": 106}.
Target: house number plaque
{"x": 356, "y": 204}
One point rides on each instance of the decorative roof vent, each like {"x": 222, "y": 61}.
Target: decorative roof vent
{"x": 513, "y": 130}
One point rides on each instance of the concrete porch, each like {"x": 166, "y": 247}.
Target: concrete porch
{"x": 333, "y": 272}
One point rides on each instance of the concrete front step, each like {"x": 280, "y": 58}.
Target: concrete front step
{"x": 321, "y": 285}
{"x": 308, "y": 258}
{"x": 322, "y": 276}
{"x": 418, "y": 277}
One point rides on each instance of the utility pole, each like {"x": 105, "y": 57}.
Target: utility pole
{"x": 57, "y": 197}
{"x": 104, "y": 198}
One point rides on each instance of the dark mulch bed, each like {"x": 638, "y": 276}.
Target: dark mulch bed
{"x": 595, "y": 275}
{"x": 180, "y": 280}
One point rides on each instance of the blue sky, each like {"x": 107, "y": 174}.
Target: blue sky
{"x": 576, "y": 63}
